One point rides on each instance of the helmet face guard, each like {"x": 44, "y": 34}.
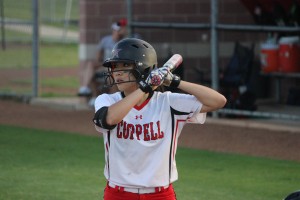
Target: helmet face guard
{"x": 131, "y": 50}
{"x": 110, "y": 81}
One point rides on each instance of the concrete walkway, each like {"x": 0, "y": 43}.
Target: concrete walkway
{"x": 47, "y": 32}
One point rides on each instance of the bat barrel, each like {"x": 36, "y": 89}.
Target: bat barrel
{"x": 173, "y": 62}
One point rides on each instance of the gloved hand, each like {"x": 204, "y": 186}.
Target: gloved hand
{"x": 155, "y": 79}
{"x": 172, "y": 80}
{"x": 157, "y": 76}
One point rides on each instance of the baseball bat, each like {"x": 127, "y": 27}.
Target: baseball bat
{"x": 171, "y": 65}
{"x": 173, "y": 62}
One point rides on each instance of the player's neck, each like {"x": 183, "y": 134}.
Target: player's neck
{"x": 142, "y": 100}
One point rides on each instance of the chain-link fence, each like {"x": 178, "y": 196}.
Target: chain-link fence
{"x": 57, "y": 32}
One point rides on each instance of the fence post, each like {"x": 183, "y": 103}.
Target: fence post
{"x": 35, "y": 46}
{"x": 67, "y": 19}
{"x": 2, "y": 25}
{"x": 214, "y": 48}
{"x": 129, "y": 17}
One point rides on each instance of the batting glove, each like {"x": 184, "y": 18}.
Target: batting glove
{"x": 155, "y": 79}
{"x": 172, "y": 80}
{"x": 157, "y": 76}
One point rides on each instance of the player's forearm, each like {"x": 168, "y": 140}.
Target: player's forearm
{"x": 119, "y": 110}
{"x": 211, "y": 99}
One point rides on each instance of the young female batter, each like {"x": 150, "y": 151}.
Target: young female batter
{"x": 141, "y": 126}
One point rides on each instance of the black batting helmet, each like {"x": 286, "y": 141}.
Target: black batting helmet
{"x": 136, "y": 51}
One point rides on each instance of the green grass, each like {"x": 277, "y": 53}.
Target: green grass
{"x": 44, "y": 165}
{"x": 69, "y": 82}
{"x": 38, "y": 164}
{"x": 18, "y": 52}
{"x": 228, "y": 176}
{"x": 59, "y": 55}
{"x": 50, "y": 55}
{"x": 11, "y": 35}
{"x": 18, "y": 9}
{"x": 23, "y": 9}
{"x": 16, "y": 57}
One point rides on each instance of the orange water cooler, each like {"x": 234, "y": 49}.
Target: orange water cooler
{"x": 289, "y": 54}
{"x": 269, "y": 57}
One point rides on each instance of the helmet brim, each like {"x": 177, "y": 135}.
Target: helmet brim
{"x": 108, "y": 62}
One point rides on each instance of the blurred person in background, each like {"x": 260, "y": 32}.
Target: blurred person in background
{"x": 92, "y": 76}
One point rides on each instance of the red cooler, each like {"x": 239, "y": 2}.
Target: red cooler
{"x": 269, "y": 57}
{"x": 289, "y": 54}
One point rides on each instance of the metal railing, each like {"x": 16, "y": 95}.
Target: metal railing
{"x": 214, "y": 27}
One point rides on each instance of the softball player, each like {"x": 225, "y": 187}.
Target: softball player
{"x": 141, "y": 126}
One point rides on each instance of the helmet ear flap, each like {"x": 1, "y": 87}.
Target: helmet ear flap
{"x": 147, "y": 71}
{"x": 137, "y": 74}
{"x": 141, "y": 73}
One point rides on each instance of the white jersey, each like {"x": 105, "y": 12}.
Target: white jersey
{"x": 140, "y": 150}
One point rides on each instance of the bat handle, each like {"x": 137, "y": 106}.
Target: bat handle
{"x": 173, "y": 62}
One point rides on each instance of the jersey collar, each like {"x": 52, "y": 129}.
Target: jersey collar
{"x": 143, "y": 104}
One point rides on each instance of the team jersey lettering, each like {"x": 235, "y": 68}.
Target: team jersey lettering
{"x": 146, "y": 132}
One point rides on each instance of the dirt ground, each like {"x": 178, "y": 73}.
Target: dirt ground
{"x": 267, "y": 140}
{"x": 213, "y": 135}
